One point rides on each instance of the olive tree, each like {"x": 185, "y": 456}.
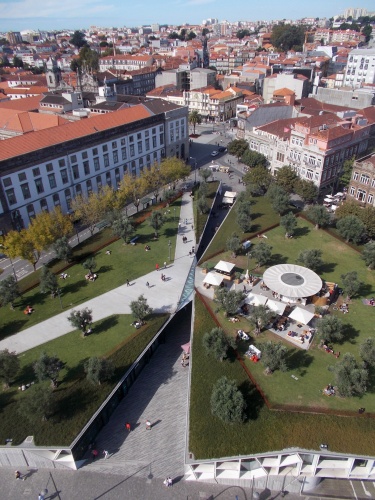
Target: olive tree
{"x": 8, "y": 291}
{"x": 216, "y": 343}
{"x": 311, "y": 258}
{"x": 140, "y": 308}
{"x": 319, "y": 216}
{"x": 48, "y": 282}
{"x": 259, "y": 317}
{"x": 99, "y": 370}
{"x": 350, "y": 378}
{"x": 289, "y": 223}
{"x": 367, "y": 351}
{"x": 81, "y": 319}
{"x": 233, "y": 244}
{"x": 9, "y": 366}
{"x": 48, "y": 368}
{"x": 261, "y": 253}
{"x": 350, "y": 284}
{"x": 229, "y": 300}
{"x": 273, "y": 356}
{"x": 330, "y": 328}
{"x": 227, "y": 401}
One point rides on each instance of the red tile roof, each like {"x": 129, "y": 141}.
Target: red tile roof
{"x": 49, "y": 137}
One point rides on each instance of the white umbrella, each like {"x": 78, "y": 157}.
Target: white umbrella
{"x": 301, "y": 315}
{"x": 328, "y": 200}
{"x": 256, "y": 299}
{"x": 339, "y": 194}
{"x": 276, "y": 306}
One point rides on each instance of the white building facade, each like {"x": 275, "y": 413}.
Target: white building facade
{"x": 360, "y": 69}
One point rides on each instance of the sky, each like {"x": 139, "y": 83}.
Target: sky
{"x": 19, "y": 15}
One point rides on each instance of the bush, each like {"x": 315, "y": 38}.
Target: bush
{"x": 216, "y": 343}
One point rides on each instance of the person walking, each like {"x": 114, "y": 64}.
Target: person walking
{"x": 157, "y": 267}
{"x": 128, "y": 426}
{"x": 127, "y": 283}
{"x": 18, "y": 475}
{"x": 148, "y": 425}
{"x": 165, "y": 265}
{"x": 105, "y": 453}
{"x": 170, "y": 482}
{"x": 147, "y": 284}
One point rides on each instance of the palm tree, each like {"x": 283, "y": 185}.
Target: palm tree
{"x": 195, "y": 119}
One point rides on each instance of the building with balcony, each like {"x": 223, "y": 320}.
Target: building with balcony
{"x": 362, "y": 184}
{"x": 360, "y": 69}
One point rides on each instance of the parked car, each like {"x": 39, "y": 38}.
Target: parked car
{"x": 222, "y": 149}
{"x": 214, "y": 153}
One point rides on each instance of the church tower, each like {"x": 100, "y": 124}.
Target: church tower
{"x": 53, "y": 74}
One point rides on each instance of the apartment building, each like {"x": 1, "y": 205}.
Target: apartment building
{"x": 48, "y": 168}
{"x": 125, "y": 62}
{"x": 360, "y": 69}
{"x": 315, "y": 146}
{"x": 362, "y": 184}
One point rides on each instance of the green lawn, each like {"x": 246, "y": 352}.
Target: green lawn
{"x": 264, "y": 430}
{"x": 311, "y": 367}
{"x": 263, "y": 217}
{"x": 76, "y": 398}
{"x": 125, "y": 262}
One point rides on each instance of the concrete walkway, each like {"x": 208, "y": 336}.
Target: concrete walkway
{"x": 162, "y": 296}
{"x": 160, "y": 395}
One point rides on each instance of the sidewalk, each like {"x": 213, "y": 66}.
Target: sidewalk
{"x": 162, "y": 296}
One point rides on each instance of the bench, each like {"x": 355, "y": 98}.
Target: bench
{"x": 132, "y": 242}
{"x": 102, "y": 224}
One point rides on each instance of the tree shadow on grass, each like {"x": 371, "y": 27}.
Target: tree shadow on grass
{"x": 170, "y": 232}
{"x": 104, "y": 325}
{"x": 104, "y": 269}
{"x": 68, "y": 405}
{"x": 327, "y": 267}
{"x": 75, "y": 373}
{"x": 35, "y": 300}
{"x": 256, "y": 215}
{"x": 349, "y": 334}
{"x": 11, "y": 327}
{"x": 298, "y": 359}
{"x": 299, "y": 232}
{"x": 74, "y": 287}
{"x": 365, "y": 290}
{"x": 277, "y": 258}
{"x": 253, "y": 399}
{"x": 255, "y": 228}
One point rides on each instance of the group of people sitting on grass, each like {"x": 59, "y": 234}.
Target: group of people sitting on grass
{"x": 91, "y": 276}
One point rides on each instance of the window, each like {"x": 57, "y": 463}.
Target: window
{"x": 43, "y": 205}
{"x": 108, "y": 179}
{"x": 52, "y": 181}
{"x": 11, "y": 196}
{"x": 139, "y": 148}
{"x": 75, "y": 172}
{"x": 161, "y": 138}
{"x": 161, "y": 128}
{"x": 89, "y": 186}
{"x": 99, "y": 182}
{"x": 96, "y": 164}
{"x": 95, "y": 151}
{"x": 309, "y": 174}
{"x": 361, "y": 195}
{"x": 115, "y": 156}
{"x": 139, "y": 136}
{"x": 355, "y": 176}
{"x": 123, "y": 141}
{"x": 132, "y": 152}
{"x": 61, "y": 163}
{"x": 105, "y": 148}
{"x": 117, "y": 175}
{"x": 147, "y": 133}
{"x": 56, "y": 199}
{"x": 7, "y": 182}
{"x": 39, "y": 186}
{"x": 280, "y": 157}
{"x": 36, "y": 172}
{"x": 352, "y": 191}
{"x": 147, "y": 142}
{"x": 114, "y": 145}
{"x": 125, "y": 168}
{"x": 30, "y": 211}
{"x": 68, "y": 198}
{"x": 154, "y": 131}
{"x": 64, "y": 176}
{"x": 73, "y": 158}
{"x": 171, "y": 135}
{"x": 49, "y": 167}
{"x": 84, "y": 155}
{"x": 365, "y": 179}
{"x": 123, "y": 153}
{"x": 106, "y": 160}
{"x": 22, "y": 176}
{"x": 86, "y": 167}
{"x": 370, "y": 199}
{"x": 131, "y": 138}
{"x": 78, "y": 189}
{"x": 154, "y": 142}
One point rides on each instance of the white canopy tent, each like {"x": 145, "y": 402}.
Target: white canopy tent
{"x": 213, "y": 279}
{"x": 224, "y": 267}
{"x": 276, "y": 306}
{"x": 301, "y": 315}
{"x": 256, "y": 299}
{"x": 229, "y": 197}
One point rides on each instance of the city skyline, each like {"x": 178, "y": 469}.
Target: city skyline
{"x": 80, "y": 14}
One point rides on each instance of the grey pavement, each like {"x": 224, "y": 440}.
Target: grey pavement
{"x": 162, "y": 296}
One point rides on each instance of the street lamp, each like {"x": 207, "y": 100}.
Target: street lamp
{"x": 195, "y": 169}
{"x": 169, "y": 248}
